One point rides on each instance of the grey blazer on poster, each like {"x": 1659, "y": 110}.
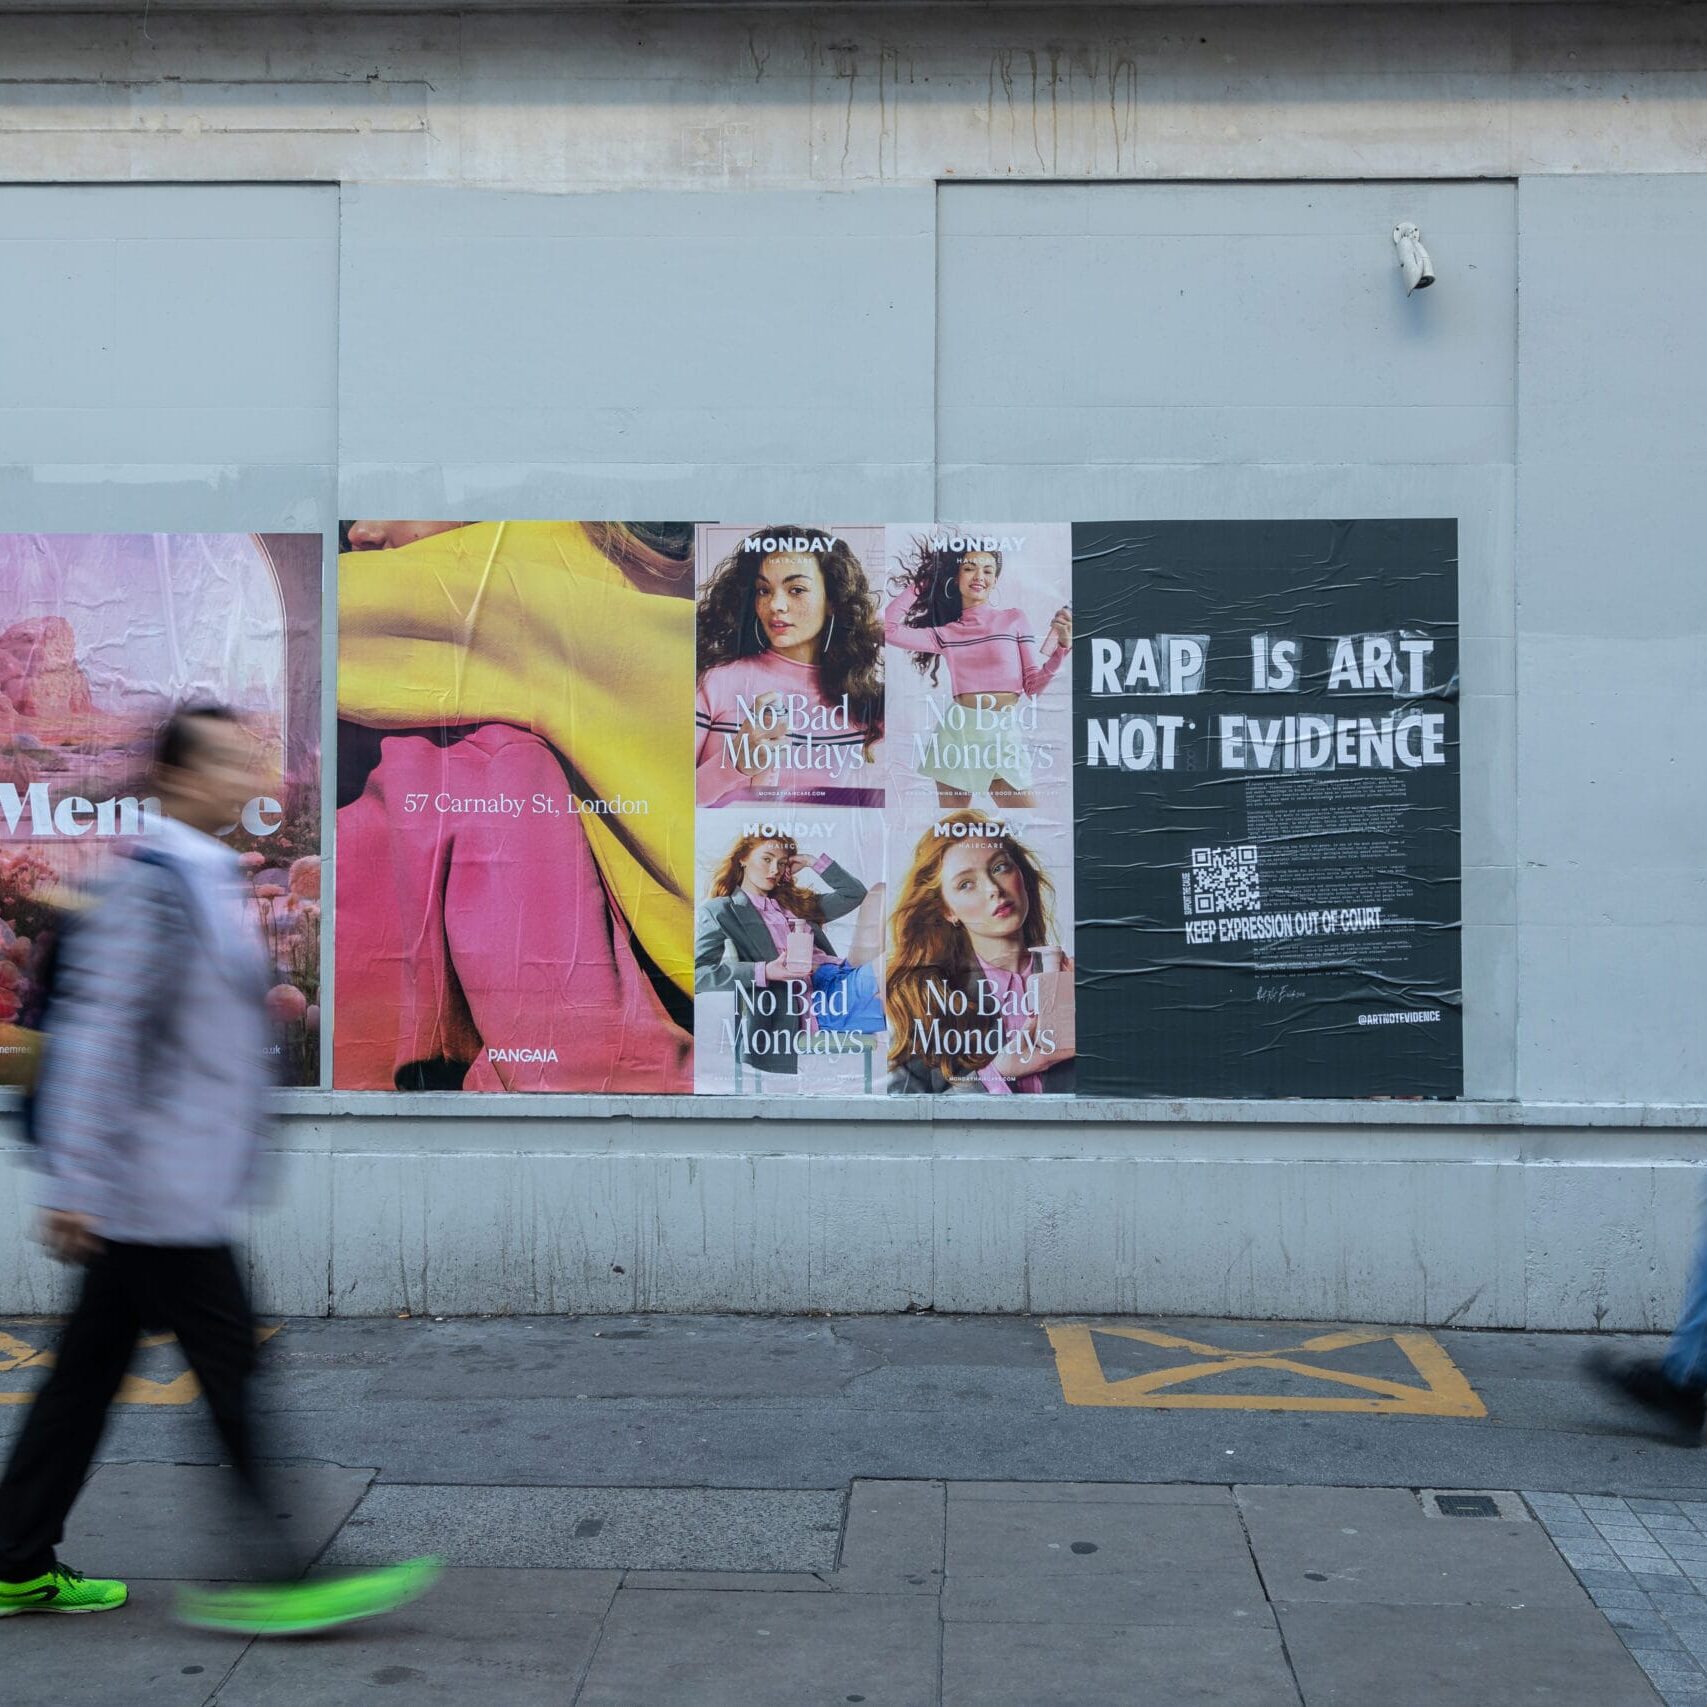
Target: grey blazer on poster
{"x": 730, "y": 940}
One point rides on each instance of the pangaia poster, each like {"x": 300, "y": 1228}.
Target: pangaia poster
{"x": 818, "y": 808}
{"x": 1268, "y": 808}
{"x": 100, "y": 635}
{"x": 515, "y": 806}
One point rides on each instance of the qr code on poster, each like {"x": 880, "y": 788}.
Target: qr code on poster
{"x": 1223, "y": 880}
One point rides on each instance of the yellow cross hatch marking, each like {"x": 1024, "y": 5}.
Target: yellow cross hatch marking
{"x": 1443, "y": 1391}
{"x": 180, "y": 1389}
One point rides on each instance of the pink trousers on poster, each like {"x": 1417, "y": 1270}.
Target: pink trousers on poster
{"x": 474, "y": 928}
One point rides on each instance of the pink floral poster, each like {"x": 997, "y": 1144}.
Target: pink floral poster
{"x": 100, "y": 634}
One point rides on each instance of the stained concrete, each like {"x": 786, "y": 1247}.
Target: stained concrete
{"x": 1021, "y": 1665}
{"x": 958, "y": 1399}
{"x": 726, "y": 99}
{"x": 1459, "y": 1656}
{"x": 1464, "y": 1225}
{"x": 561, "y": 1528}
{"x": 1374, "y": 1546}
{"x": 1120, "y": 1564}
{"x": 178, "y": 1520}
{"x": 752, "y": 1650}
{"x": 137, "y": 1656}
{"x": 1166, "y": 1603}
{"x": 522, "y": 1637}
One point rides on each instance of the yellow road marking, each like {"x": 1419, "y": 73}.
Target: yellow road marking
{"x": 181, "y": 1389}
{"x": 1443, "y": 1391}
{"x": 15, "y": 1354}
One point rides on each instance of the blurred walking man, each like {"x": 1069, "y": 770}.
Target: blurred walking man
{"x": 149, "y": 1115}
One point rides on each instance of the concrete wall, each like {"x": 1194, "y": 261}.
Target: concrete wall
{"x": 582, "y": 355}
{"x": 402, "y": 339}
{"x": 168, "y": 357}
{"x": 719, "y": 98}
{"x": 1611, "y": 623}
{"x": 1488, "y": 1215}
{"x": 1242, "y": 350}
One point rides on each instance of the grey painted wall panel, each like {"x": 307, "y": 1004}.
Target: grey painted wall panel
{"x": 198, "y": 387}
{"x": 198, "y": 332}
{"x": 1612, "y": 607}
{"x": 1045, "y": 434}
{"x": 1185, "y": 323}
{"x": 124, "y": 497}
{"x": 1248, "y": 351}
{"x": 168, "y": 357}
{"x": 658, "y": 353}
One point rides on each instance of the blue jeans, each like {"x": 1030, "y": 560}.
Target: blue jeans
{"x": 844, "y": 998}
{"x": 1686, "y": 1356}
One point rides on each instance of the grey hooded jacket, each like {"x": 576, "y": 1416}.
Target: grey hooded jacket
{"x": 152, "y": 1103}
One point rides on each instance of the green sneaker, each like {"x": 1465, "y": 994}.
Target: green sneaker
{"x": 61, "y": 1590}
{"x": 300, "y": 1609}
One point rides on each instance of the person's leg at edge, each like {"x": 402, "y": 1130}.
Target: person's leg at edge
{"x": 1686, "y": 1355}
{"x": 198, "y": 1292}
{"x": 1674, "y": 1387}
{"x": 64, "y": 1425}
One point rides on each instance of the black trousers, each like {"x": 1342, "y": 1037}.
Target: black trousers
{"x": 195, "y": 1292}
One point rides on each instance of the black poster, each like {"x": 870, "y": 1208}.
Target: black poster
{"x": 1266, "y": 787}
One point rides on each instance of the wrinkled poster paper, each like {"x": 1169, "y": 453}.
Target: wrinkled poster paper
{"x": 809, "y": 808}
{"x": 100, "y": 635}
{"x": 1268, "y": 839}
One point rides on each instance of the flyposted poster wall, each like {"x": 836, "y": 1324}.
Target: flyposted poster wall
{"x": 813, "y": 808}
{"x": 100, "y": 635}
{"x": 1268, "y": 829}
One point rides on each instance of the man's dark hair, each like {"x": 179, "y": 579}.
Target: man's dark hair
{"x": 178, "y": 740}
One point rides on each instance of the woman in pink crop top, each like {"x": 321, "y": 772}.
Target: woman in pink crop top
{"x": 942, "y": 609}
{"x": 790, "y": 703}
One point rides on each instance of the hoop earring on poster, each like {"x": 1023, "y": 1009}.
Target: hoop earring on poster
{"x": 829, "y": 635}
{"x": 759, "y": 640}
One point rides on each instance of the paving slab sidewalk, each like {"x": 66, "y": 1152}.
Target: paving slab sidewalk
{"x": 1026, "y": 1594}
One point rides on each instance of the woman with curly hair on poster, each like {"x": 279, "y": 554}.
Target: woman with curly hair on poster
{"x": 760, "y": 934}
{"x": 979, "y": 999}
{"x": 514, "y": 835}
{"x": 944, "y": 608}
{"x": 790, "y": 704}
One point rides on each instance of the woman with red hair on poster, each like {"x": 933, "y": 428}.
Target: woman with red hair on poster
{"x": 979, "y": 998}
{"x": 760, "y": 935}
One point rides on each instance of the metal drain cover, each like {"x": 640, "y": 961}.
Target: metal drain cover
{"x": 1466, "y": 1505}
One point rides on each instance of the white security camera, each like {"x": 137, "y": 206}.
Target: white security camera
{"x": 1413, "y": 258}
